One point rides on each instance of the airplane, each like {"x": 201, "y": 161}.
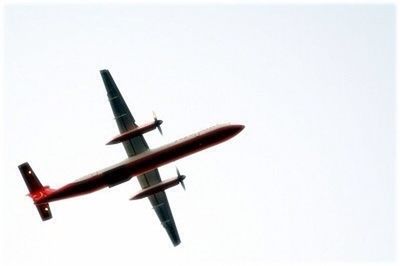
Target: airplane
{"x": 142, "y": 162}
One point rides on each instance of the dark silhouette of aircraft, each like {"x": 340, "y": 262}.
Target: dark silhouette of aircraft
{"x": 141, "y": 162}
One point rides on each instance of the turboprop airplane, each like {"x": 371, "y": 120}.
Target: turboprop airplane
{"x": 141, "y": 162}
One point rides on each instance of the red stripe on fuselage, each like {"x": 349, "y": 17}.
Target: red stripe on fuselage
{"x": 145, "y": 162}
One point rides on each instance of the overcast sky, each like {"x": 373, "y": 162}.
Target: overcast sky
{"x": 310, "y": 178}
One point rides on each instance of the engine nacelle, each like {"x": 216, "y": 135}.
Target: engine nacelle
{"x": 137, "y": 131}
{"x": 163, "y": 185}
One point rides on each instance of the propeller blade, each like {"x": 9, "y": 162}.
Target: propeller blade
{"x": 158, "y": 123}
{"x": 181, "y": 178}
{"x": 160, "y": 130}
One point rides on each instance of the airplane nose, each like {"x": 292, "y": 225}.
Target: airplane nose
{"x": 237, "y": 128}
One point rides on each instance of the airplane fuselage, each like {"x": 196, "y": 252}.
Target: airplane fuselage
{"x": 144, "y": 162}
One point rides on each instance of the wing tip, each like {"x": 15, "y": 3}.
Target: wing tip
{"x": 176, "y": 243}
{"x": 104, "y": 72}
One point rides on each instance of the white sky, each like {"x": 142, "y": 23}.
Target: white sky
{"x": 310, "y": 178}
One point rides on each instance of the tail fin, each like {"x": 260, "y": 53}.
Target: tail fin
{"x": 36, "y": 190}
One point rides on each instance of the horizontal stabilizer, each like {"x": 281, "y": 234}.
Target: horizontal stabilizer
{"x": 36, "y": 190}
{"x": 44, "y": 211}
{"x": 30, "y": 178}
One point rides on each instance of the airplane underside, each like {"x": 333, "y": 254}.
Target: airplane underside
{"x": 141, "y": 162}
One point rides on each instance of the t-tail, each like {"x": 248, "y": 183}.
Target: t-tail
{"x": 36, "y": 190}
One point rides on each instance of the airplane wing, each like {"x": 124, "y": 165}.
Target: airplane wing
{"x": 136, "y": 145}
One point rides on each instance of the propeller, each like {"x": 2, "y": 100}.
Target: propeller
{"x": 158, "y": 123}
{"x": 180, "y": 178}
